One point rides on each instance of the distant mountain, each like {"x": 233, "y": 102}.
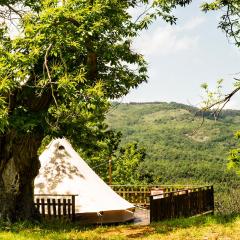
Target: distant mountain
{"x": 180, "y": 147}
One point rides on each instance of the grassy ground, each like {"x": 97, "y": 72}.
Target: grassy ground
{"x": 203, "y": 227}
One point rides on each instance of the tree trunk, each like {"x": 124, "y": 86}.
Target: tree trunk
{"x": 19, "y": 166}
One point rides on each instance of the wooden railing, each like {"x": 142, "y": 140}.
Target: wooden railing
{"x": 139, "y": 194}
{"x": 181, "y": 203}
{"x": 55, "y": 206}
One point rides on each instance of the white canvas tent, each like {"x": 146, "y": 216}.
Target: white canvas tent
{"x": 63, "y": 171}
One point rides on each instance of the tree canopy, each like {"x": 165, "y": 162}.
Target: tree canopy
{"x": 69, "y": 60}
{"x": 230, "y": 24}
{"x": 57, "y": 77}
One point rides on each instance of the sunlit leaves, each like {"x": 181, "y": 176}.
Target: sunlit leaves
{"x": 230, "y": 19}
{"x": 234, "y": 156}
{"x": 230, "y": 24}
{"x": 3, "y": 115}
{"x": 126, "y": 163}
{"x": 212, "y": 98}
{"x": 69, "y": 59}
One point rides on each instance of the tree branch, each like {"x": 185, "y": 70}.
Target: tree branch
{"x": 14, "y": 10}
{"x": 221, "y": 102}
{"x": 48, "y": 72}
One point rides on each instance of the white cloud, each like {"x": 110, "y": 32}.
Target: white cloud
{"x": 194, "y": 23}
{"x": 169, "y": 39}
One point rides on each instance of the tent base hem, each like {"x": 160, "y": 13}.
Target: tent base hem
{"x": 115, "y": 216}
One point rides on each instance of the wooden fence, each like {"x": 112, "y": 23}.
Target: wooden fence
{"x": 165, "y": 201}
{"x": 181, "y": 203}
{"x": 139, "y": 194}
{"x": 55, "y": 206}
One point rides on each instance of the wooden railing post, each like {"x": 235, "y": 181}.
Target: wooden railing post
{"x": 212, "y": 199}
{"x": 38, "y": 204}
{"x": 48, "y": 208}
{"x": 151, "y": 209}
{"x": 43, "y": 207}
{"x": 59, "y": 207}
{"x": 64, "y": 207}
{"x": 54, "y": 208}
{"x": 73, "y": 207}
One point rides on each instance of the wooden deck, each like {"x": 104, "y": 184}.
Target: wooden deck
{"x": 142, "y": 216}
{"x": 164, "y": 202}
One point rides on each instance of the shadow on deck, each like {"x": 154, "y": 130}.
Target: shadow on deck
{"x": 142, "y": 216}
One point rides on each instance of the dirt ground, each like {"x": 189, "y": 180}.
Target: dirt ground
{"x": 130, "y": 232}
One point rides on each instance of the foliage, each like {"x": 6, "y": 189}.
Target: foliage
{"x": 125, "y": 160}
{"x": 227, "y": 202}
{"x": 230, "y": 18}
{"x": 212, "y": 98}
{"x": 177, "y": 150}
{"x": 234, "y": 157}
{"x": 99, "y": 160}
{"x": 230, "y": 25}
{"x": 70, "y": 58}
{"x": 125, "y": 164}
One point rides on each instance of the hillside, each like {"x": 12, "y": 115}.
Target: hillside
{"x": 178, "y": 149}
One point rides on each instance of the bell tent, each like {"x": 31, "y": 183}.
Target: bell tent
{"x": 63, "y": 171}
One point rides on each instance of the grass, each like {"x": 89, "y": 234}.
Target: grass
{"x": 201, "y": 227}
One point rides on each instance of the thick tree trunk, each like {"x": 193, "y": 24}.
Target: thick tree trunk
{"x": 19, "y": 166}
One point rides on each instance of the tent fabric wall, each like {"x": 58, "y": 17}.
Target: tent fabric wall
{"x": 63, "y": 171}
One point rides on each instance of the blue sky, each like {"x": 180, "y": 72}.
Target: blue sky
{"x": 184, "y": 56}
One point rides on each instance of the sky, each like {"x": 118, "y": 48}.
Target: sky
{"x": 182, "y": 57}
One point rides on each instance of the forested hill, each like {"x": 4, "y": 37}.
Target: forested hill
{"x": 178, "y": 149}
